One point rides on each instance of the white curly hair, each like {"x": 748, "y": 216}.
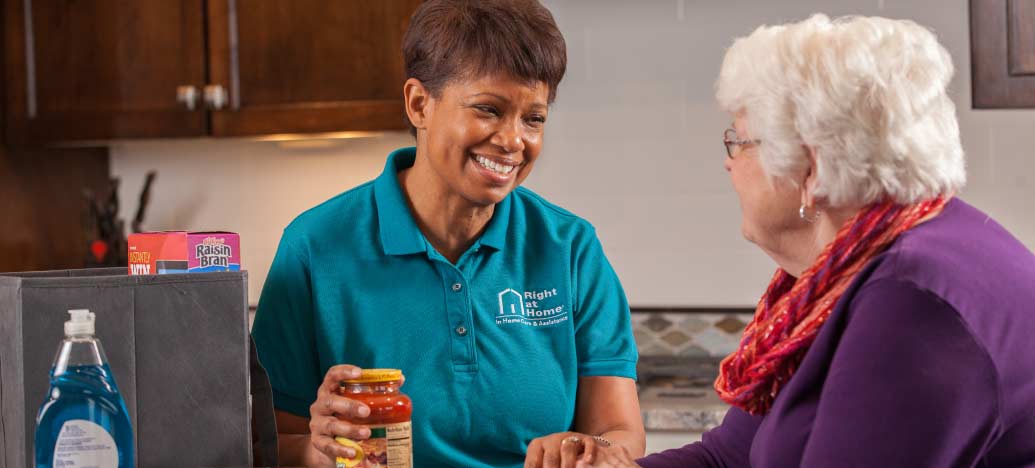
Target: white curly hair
{"x": 867, "y": 93}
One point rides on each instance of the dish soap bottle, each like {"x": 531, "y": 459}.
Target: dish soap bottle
{"x": 83, "y": 421}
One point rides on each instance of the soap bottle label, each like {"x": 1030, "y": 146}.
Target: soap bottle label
{"x": 82, "y": 443}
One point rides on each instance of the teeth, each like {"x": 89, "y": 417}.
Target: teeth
{"x": 494, "y": 166}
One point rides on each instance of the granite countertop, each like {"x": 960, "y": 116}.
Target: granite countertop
{"x": 676, "y": 393}
{"x": 681, "y": 409}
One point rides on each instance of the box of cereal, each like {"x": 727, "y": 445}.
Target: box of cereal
{"x": 159, "y": 253}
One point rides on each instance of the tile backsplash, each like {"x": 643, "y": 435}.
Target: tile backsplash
{"x": 688, "y": 332}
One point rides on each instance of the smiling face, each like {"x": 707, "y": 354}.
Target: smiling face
{"x": 480, "y": 137}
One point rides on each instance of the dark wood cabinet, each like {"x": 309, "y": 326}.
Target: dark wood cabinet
{"x": 42, "y": 208}
{"x": 99, "y": 69}
{"x": 110, "y": 69}
{"x": 1002, "y": 50}
{"x": 298, "y": 66}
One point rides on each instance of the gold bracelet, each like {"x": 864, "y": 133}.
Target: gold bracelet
{"x": 602, "y": 441}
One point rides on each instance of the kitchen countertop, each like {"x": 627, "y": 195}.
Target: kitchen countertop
{"x": 681, "y": 409}
{"x": 676, "y": 393}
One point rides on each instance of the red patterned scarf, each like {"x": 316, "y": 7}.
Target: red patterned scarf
{"x": 789, "y": 315}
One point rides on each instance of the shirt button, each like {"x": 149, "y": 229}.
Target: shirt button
{"x": 457, "y": 287}
{"x": 461, "y": 330}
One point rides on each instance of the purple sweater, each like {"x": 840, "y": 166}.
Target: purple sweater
{"x": 928, "y": 360}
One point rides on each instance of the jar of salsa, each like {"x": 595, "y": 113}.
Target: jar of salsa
{"x": 390, "y": 444}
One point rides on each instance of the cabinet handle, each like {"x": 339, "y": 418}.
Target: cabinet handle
{"x": 215, "y": 97}
{"x": 188, "y": 96}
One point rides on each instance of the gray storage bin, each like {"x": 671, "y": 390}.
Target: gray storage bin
{"x": 177, "y": 344}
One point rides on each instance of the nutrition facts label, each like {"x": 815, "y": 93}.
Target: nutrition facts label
{"x": 389, "y": 446}
{"x": 400, "y": 445}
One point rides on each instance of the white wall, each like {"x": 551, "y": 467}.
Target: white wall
{"x": 249, "y": 187}
{"x": 633, "y": 145}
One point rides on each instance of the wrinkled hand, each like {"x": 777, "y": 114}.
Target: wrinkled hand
{"x": 615, "y": 456}
{"x": 560, "y": 450}
{"x": 324, "y": 424}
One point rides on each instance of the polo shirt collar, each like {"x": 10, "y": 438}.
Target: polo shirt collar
{"x": 495, "y": 234}
{"x": 399, "y": 232}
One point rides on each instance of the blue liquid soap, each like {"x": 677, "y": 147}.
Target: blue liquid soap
{"x": 83, "y": 422}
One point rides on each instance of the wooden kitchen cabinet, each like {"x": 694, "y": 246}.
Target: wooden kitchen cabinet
{"x": 110, "y": 69}
{"x": 1002, "y": 49}
{"x": 42, "y": 202}
{"x": 99, "y": 69}
{"x": 42, "y": 205}
{"x": 298, "y": 66}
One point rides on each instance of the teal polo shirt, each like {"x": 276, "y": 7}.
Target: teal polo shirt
{"x": 492, "y": 347}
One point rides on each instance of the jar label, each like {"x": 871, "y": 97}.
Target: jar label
{"x": 83, "y": 443}
{"x": 389, "y": 446}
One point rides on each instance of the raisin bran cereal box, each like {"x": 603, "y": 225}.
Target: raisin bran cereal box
{"x": 159, "y": 253}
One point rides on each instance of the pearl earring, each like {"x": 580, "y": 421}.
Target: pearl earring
{"x": 805, "y": 217}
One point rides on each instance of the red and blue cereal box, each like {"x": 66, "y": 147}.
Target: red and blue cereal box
{"x": 159, "y": 253}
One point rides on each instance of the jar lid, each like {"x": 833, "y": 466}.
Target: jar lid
{"x": 377, "y": 375}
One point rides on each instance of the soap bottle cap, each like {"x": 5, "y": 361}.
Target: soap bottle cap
{"x": 81, "y": 323}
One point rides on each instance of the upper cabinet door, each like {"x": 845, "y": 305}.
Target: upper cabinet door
{"x": 101, "y": 69}
{"x": 1002, "y": 49}
{"x": 302, "y": 66}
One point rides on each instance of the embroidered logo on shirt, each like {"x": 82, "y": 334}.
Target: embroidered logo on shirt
{"x": 533, "y": 308}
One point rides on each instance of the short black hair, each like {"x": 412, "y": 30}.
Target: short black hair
{"x": 456, "y": 39}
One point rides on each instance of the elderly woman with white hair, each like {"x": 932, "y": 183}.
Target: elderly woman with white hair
{"x": 899, "y": 328}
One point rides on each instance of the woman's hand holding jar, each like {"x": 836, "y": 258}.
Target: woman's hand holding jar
{"x": 362, "y": 420}
{"x": 329, "y": 416}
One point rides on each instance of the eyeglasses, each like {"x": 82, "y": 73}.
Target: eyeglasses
{"x": 729, "y": 139}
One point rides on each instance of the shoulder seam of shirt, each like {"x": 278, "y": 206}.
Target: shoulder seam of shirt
{"x": 304, "y": 259}
{"x": 296, "y": 228}
{"x": 337, "y": 197}
{"x": 552, "y": 207}
{"x": 1000, "y": 419}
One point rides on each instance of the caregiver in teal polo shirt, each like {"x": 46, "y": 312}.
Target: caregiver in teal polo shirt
{"x": 500, "y": 308}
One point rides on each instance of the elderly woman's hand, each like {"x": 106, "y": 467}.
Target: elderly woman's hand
{"x": 324, "y": 422}
{"x": 615, "y": 456}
